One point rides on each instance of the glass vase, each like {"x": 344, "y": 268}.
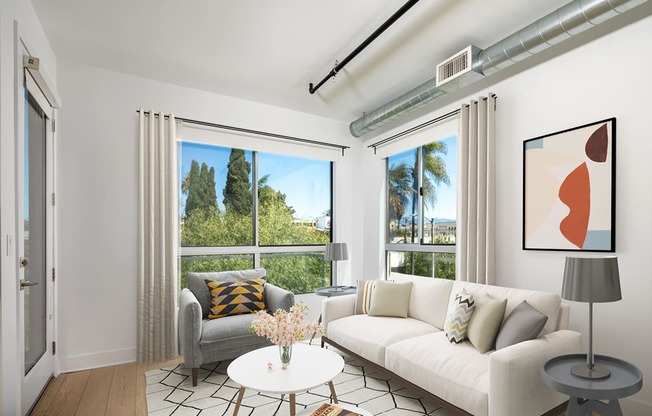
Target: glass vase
{"x": 286, "y": 355}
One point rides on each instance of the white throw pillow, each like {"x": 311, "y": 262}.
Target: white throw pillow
{"x": 390, "y": 299}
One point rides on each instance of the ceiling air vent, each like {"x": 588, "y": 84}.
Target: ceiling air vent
{"x": 457, "y": 71}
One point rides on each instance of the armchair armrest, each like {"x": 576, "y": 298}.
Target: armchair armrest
{"x": 278, "y": 298}
{"x": 337, "y": 307}
{"x": 515, "y": 384}
{"x": 190, "y": 328}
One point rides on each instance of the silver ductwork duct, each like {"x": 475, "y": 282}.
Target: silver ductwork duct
{"x": 563, "y": 23}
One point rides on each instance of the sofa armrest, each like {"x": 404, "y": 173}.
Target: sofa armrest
{"x": 337, "y": 307}
{"x": 190, "y": 327}
{"x": 515, "y": 384}
{"x": 278, "y": 298}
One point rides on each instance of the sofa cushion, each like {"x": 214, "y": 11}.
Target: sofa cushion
{"x": 456, "y": 373}
{"x": 485, "y": 322}
{"x": 227, "y": 338}
{"x": 545, "y": 302}
{"x": 363, "y": 296}
{"x": 235, "y": 298}
{"x": 459, "y": 315}
{"x": 197, "y": 284}
{"x": 368, "y": 336}
{"x": 524, "y": 323}
{"x": 390, "y": 299}
{"x": 429, "y": 299}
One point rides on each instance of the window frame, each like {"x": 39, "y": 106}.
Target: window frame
{"x": 419, "y": 245}
{"x": 257, "y": 250}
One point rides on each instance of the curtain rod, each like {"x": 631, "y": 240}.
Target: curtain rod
{"x": 413, "y": 129}
{"x": 257, "y": 132}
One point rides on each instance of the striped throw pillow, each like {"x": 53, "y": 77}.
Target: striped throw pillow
{"x": 458, "y": 317}
{"x": 363, "y": 296}
{"x": 235, "y": 298}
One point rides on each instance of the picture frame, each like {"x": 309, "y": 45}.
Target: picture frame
{"x": 569, "y": 189}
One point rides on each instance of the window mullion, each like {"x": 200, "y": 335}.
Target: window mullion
{"x": 420, "y": 209}
{"x": 254, "y": 193}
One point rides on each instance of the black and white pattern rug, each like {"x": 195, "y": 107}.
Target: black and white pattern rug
{"x": 170, "y": 392}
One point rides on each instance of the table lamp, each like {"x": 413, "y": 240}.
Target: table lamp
{"x": 334, "y": 253}
{"x": 591, "y": 280}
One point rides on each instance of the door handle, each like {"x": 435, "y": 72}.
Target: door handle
{"x": 26, "y": 283}
{"x": 24, "y": 262}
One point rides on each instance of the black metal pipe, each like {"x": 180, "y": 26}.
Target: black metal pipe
{"x": 400, "y": 12}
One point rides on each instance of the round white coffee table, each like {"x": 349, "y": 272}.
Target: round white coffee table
{"x": 310, "y": 367}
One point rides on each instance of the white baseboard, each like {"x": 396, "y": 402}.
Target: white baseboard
{"x": 96, "y": 360}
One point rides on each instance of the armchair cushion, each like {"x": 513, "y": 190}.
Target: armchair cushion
{"x": 235, "y": 298}
{"x": 197, "y": 284}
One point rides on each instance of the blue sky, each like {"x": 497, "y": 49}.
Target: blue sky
{"x": 305, "y": 182}
{"x": 446, "y": 205}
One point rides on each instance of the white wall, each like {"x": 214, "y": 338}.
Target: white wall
{"x": 609, "y": 77}
{"x": 97, "y": 197}
{"x": 17, "y": 21}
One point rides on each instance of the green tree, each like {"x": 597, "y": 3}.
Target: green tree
{"x": 237, "y": 192}
{"x": 297, "y": 272}
{"x": 199, "y": 188}
{"x": 191, "y": 188}
{"x": 400, "y": 190}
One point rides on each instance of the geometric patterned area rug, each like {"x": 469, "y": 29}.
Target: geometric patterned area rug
{"x": 170, "y": 392}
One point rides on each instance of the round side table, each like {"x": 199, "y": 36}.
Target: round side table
{"x": 585, "y": 394}
{"x": 329, "y": 291}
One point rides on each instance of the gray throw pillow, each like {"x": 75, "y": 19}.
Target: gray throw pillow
{"x": 390, "y": 299}
{"x": 198, "y": 287}
{"x": 485, "y": 322}
{"x": 524, "y": 323}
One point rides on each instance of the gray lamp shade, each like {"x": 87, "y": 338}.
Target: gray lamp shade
{"x": 591, "y": 279}
{"x": 336, "y": 251}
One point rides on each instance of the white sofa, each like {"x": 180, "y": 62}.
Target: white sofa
{"x": 506, "y": 382}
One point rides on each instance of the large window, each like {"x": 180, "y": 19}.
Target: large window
{"x": 283, "y": 226}
{"x": 422, "y": 209}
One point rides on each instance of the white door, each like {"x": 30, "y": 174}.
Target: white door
{"x": 35, "y": 167}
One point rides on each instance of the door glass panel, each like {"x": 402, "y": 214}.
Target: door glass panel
{"x": 34, "y": 233}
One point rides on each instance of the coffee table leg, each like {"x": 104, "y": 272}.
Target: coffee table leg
{"x": 237, "y": 404}
{"x": 293, "y": 404}
{"x": 330, "y": 384}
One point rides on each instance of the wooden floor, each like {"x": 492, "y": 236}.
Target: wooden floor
{"x": 115, "y": 391}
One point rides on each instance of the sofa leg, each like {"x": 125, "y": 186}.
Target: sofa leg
{"x": 195, "y": 374}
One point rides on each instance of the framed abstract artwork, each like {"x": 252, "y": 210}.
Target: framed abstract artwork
{"x": 569, "y": 189}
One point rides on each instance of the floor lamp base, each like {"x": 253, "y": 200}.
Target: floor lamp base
{"x": 584, "y": 371}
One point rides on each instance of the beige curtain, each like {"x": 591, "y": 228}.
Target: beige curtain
{"x": 476, "y": 205}
{"x": 157, "y": 238}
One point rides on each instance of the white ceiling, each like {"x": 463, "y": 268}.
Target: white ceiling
{"x": 269, "y": 51}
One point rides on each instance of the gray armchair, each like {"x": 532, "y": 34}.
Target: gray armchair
{"x": 205, "y": 340}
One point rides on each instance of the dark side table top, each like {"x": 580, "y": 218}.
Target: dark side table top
{"x": 625, "y": 379}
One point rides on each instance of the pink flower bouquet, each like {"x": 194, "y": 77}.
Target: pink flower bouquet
{"x": 285, "y": 328}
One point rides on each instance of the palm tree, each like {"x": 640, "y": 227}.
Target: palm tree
{"x": 434, "y": 171}
{"x": 403, "y": 180}
{"x": 400, "y": 190}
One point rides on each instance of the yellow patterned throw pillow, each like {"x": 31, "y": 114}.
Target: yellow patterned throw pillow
{"x": 235, "y": 298}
